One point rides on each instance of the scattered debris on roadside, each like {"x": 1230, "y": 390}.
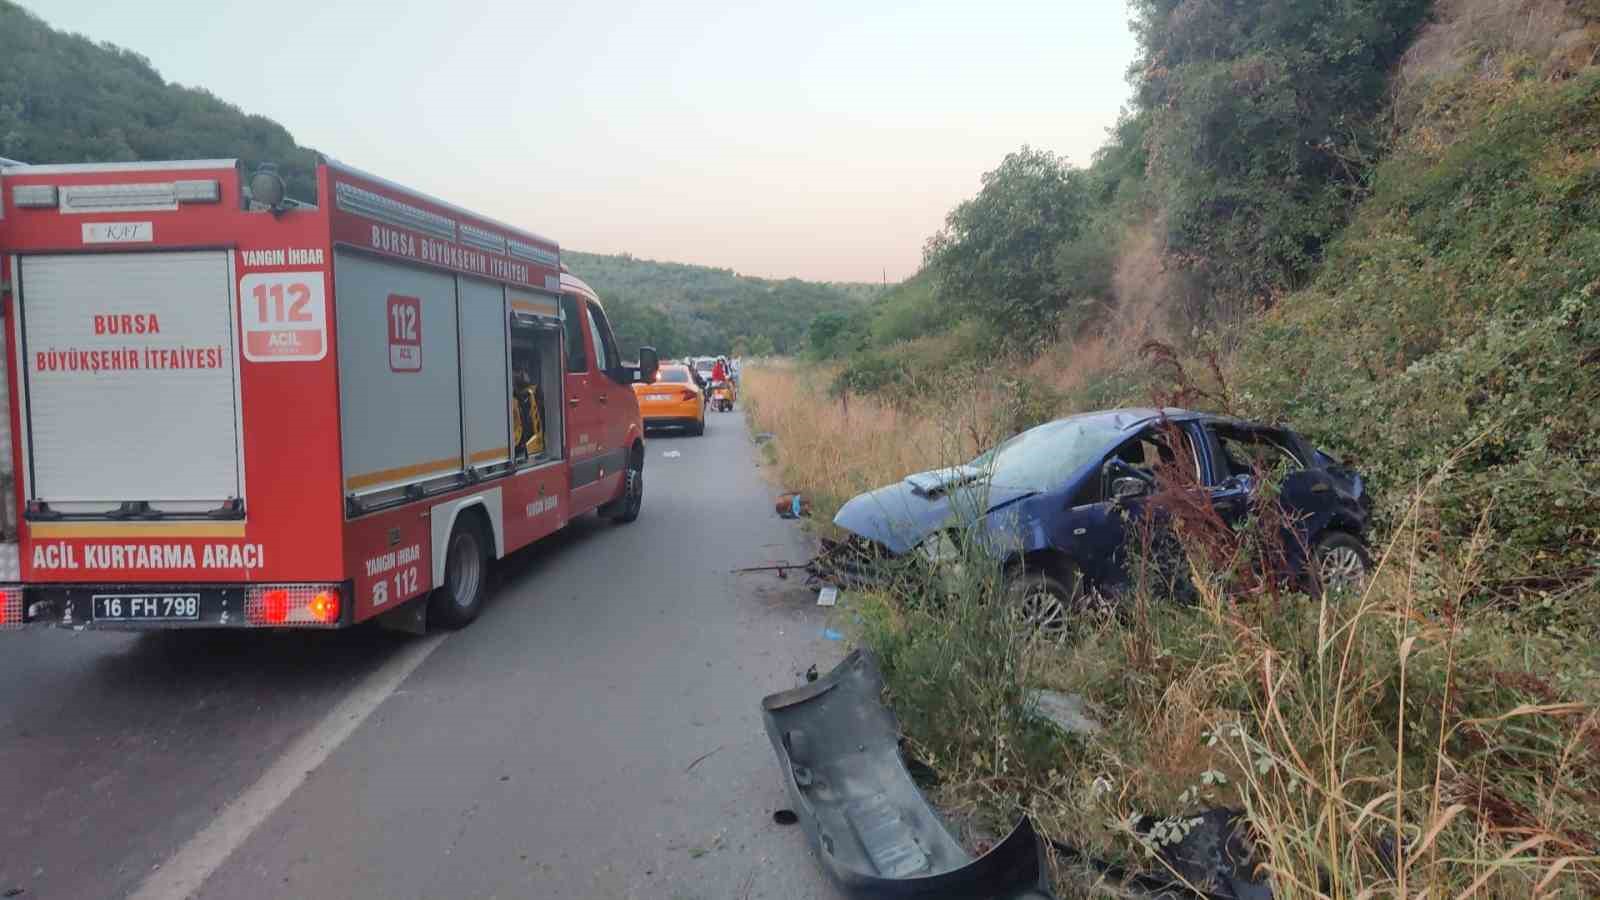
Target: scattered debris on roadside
{"x": 763, "y": 437}
{"x": 1065, "y": 711}
{"x": 828, "y": 596}
{"x": 782, "y": 569}
{"x": 701, "y": 758}
{"x": 1212, "y": 855}
{"x": 854, "y": 791}
{"x": 875, "y": 833}
{"x": 793, "y": 506}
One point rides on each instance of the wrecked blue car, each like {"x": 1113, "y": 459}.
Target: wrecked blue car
{"x": 1054, "y": 505}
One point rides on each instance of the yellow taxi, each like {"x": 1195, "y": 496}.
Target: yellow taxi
{"x": 674, "y": 401}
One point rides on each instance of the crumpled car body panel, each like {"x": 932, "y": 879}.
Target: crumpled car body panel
{"x": 872, "y": 829}
{"x": 1009, "y": 523}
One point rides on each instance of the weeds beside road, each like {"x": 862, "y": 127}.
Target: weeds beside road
{"x": 1406, "y": 740}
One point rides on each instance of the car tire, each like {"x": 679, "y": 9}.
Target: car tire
{"x": 1045, "y": 603}
{"x": 457, "y": 602}
{"x": 698, "y": 429}
{"x": 626, "y": 508}
{"x": 1339, "y": 561}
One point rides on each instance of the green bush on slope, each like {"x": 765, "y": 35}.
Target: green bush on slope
{"x": 1458, "y": 322}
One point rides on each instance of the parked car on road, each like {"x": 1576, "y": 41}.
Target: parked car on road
{"x": 1053, "y": 504}
{"x": 674, "y": 401}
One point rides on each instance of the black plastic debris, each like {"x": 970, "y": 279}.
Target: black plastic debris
{"x": 1214, "y": 857}
{"x": 874, "y": 832}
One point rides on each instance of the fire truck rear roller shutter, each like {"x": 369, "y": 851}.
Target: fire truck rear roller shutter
{"x": 131, "y": 380}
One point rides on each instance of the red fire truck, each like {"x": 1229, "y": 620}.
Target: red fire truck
{"x": 230, "y": 409}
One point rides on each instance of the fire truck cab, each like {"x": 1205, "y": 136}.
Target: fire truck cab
{"x": 228, "y": 409}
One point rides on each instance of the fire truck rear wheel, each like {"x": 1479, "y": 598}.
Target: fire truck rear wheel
{"x": 626, "y": 508}
{"x": 466, "y": 567}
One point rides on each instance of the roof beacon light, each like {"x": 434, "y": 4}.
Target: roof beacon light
{"x": 267, "y": 187}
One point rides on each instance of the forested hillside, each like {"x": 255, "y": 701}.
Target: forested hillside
{"x": 65, "y": 98}
{"x": 685, "y": 309}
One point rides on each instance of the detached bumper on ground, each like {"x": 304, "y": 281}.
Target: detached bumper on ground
{"x": 871, "y": 827}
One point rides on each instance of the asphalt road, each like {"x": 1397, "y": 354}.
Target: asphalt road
{"x": 595, "y": 734}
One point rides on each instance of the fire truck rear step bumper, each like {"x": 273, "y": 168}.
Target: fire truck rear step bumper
{"x": 167, "y": 607}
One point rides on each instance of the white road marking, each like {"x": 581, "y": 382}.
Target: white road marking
{"x": 186, "y": 872}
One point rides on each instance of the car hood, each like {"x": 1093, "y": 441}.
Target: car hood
{"x": 902, "y": 514}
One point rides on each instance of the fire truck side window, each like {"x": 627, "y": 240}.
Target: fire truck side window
{"x": 604, "y": 336}
{"x": 572, "y": 321}
{"x": 604, "y": 352}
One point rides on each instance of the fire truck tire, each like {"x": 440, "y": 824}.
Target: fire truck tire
{"x": 466, "y": 568}
{"x": 625, "y": 509}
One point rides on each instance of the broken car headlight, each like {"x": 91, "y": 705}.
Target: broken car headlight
{"x": 939, "y": 548}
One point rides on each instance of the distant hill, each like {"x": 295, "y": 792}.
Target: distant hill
{"x": 685, "y": 309}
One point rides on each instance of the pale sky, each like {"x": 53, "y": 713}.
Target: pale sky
{"x": 822, "y": 139}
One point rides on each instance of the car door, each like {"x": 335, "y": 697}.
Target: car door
{"x": 584, "y": 424}
{"x": 598, "y": 478}
{"x": 613, "y": 395}
{"x": 1246, "y": 455}
{"x": 1103, "y": 533}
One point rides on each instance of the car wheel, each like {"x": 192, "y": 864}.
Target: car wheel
{"x": 632, "y": 499}
{"x": 1045, "y": 604}
{"x": 459, "y": 600}
{"x": 1339, "y": 563}
{"x": 699, "y": 428}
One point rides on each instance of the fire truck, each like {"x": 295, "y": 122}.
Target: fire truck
{"x": 230, "y": 409}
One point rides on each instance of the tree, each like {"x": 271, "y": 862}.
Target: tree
{"x": 824, "y": 333}
{"x": 995, "y": 258}
{"x": 1262, "y": 126}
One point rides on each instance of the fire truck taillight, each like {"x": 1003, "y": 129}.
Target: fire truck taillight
{"x": 325, "y": 606}
{"x": 291, "y": 605}
{"x": 10, "y": 608}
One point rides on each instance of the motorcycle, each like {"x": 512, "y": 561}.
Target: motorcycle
{"x": 722, "y": 396}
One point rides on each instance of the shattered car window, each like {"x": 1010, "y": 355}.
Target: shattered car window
{"x": 1041, "y": 458}
{"x": 1244, "y": 451}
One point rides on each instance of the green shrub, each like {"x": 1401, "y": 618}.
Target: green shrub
{"x": 1459, "y": 322}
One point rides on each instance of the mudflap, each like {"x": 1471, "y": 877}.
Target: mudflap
{"x": 874, "y": 832}
{"x": 410, "y": 617}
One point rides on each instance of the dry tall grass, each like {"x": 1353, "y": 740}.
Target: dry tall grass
{"x": 1557, "y": 36}
{"x": 831, "y": 448}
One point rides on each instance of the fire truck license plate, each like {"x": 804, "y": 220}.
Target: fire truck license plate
{"x": 147, "y": 607}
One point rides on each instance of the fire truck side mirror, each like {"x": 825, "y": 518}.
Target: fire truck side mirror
{"x": 649, "y": 364}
